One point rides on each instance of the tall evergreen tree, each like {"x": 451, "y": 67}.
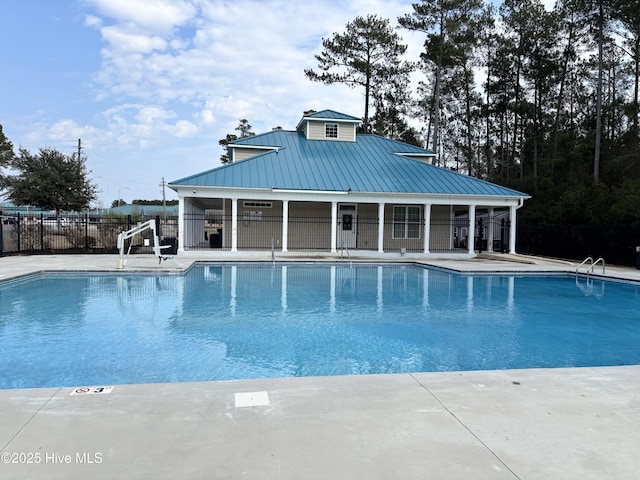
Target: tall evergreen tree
{"x": 392, "y": 108}
{"x": 368, "y": 55}
{"x": 245, "y": 130}
{"x": 598, "y": 13}
{"x": 627, "y": 12}
{"x": 448, "y": 30}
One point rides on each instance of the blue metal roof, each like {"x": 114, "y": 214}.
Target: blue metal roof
{"x": 370, "y": 164}
{"x": 331, "y": 115}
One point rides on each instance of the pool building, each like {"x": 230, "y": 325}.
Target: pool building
{"x": 324, "y": 187}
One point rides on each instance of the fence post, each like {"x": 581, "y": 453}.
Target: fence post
{"x": 42, "y": 231}
{"x": 19, "y": 230}
{"x": 86, "y": 231}
{"x": 480, "y": 235}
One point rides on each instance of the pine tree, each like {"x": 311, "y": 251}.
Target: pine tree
{"x": 367, "y": 55}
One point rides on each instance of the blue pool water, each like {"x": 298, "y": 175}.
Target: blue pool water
{"x": 233, "y": 322}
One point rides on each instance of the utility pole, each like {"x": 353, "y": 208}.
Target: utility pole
{"x": 164, "y": 200}
{"x": 79, "y": 148}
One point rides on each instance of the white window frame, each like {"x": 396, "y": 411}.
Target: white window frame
{"x": 332, "y": 127}
{"x": 405, "y": 222}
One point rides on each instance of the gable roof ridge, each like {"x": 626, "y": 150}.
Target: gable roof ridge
{"x": 329, "y": 114}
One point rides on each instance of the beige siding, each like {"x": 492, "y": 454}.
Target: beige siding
{"x": 309, "y": 226}
{"x": 440, "y": 227}
{"x": 257, "y": 227}
{"x": 367, "y": 226}
{"x": 346, "y": 131}
{"x": 242, "y": 153}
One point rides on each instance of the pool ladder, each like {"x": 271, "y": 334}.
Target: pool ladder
{"x": 591, "y": 265}
{"x": 344, "y": 247}
{"x": 273, "y": 251}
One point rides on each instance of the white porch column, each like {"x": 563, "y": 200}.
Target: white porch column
{"x": 512, "y": 229}
{"x": 472, "y": 228}
{"x": 181, "y": 224}
{"x": 427, "y": 227}
{"x": 334, "y": 226}
{"x": 234, "y": 224}
{"x": 285, "y": 225}
{"x": 490, "y": 230}
{"x": 381, "y": 227}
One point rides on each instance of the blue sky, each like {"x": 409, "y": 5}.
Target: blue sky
{"x": 150, "y": 86}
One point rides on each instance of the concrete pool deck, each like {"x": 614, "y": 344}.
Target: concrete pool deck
{"x": 577, "y": 423}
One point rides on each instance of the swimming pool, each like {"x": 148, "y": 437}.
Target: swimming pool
{"x": 221, "y": 322}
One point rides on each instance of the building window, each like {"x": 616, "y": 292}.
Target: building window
{"x": 258, "y": 204}
{"x": 406, "y": 221}
{"x": 330, "y": 130}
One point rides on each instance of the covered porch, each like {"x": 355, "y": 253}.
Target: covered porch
{"x": 336, "y": 221}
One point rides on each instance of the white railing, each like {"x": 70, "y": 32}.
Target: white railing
{"x": 591, "y": 265}
{"x": 344, "y": 247}
{"x": 273, "y": 251}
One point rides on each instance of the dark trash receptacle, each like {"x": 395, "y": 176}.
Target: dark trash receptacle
{"x": 638, "y": 258}
{"x": 215, "y": 239}
{"x": 173, "y": 242}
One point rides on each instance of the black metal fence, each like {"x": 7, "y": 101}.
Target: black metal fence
{"x": 40, "y": 234}
{"x": 615, "y": 243}
{"x": 45, "y": 234}
{"x": 204, "y": 232}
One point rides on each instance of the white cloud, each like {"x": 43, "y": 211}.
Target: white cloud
{"x": 250, "y": 50}
{"x": 151, "y": 16}
{"x": 63, "y": 132}
{"x": 126, "y": 42}
{"x": 177, "y": 75}
{"x": 92, "y": 21}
